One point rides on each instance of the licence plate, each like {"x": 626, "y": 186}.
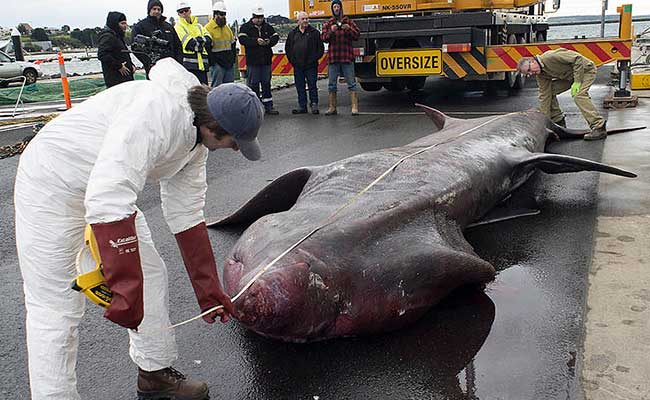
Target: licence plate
{"x": 409, "y": 62}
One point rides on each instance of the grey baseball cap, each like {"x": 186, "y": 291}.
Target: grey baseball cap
{"x": 239, "y": 112}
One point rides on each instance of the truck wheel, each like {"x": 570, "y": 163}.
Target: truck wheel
{"x": 514, "y": 80}
{"x": 371, "y": 86}
{"x": 395, "y": 85}
{"x": 416, "y": 83}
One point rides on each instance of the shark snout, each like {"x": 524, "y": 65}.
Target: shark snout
{"x": 275, "y": 297}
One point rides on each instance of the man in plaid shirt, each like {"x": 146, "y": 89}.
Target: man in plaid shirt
{"x": 340, "y": 31}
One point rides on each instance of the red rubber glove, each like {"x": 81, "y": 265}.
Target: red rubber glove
{"x": 120, "y": 256}
{"x": 196, "y": 250}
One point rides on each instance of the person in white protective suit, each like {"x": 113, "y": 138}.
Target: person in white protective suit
{"x": 88, "y": 166}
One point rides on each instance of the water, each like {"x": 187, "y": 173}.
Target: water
{"x": 590, "y": 31}
{"x": 93, "y": 66}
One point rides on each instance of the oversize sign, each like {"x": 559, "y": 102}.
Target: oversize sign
{"x": 409, "y": 62}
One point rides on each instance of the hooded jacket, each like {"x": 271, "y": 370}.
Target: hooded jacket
{"x": 340, "y": 48}
{"x": 304, "y": 50}
{"x": 112, "y": 51}
{"x": 165, "y": 31}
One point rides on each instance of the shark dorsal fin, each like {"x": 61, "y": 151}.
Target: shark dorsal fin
{"x": 438, "y": 117}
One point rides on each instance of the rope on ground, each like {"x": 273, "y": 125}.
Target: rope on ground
{"x": 15, "y": 149}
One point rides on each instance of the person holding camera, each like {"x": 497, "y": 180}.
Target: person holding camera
{"x": 224, "y": 52}
{"x": 195, "y": 42}
{"x": 258, "y": 39}
{"x": 156, "y": 25}
{"x": 112, "y": 51}
{"x": 340, "y": 31}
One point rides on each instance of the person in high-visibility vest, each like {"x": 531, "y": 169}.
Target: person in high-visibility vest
{"x": 224, "y": 52}
{"x": 195, "y": 41}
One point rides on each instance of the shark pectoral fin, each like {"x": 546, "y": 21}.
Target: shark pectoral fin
{"x": 558, "y": 164}
{"x": 438, "y": 117}
{"x": 501, "y": 214}
{"x": 280, "y": 195}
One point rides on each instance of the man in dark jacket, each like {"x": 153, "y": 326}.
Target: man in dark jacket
{"x": 340, "y": 31}
{"x": 156, "y": 24}
{"x": 304, "y": 48}
{"x": 112, "y": 51}
{"x": 258, "y": 39}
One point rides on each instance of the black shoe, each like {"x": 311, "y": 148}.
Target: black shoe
{"x": 314, "y": 109}
{"x": 299, "y": 111}
{"x": 272, "y": 111}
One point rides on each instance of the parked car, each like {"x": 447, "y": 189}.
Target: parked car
{"x": 10, "y": 68}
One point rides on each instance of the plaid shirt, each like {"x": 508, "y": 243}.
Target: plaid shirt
{"x": 340, "y": 42}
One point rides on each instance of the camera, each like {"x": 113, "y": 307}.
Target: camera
{"x": 153, "y": 47}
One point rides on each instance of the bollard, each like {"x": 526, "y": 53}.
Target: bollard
{"x": 64, "y": 82}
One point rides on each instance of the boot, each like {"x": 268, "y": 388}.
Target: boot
{"x": 169, "y": 384}
{"x": 354, "y": 99}
{"x": 332, "y": 104}
{"x": 596, "y": 134}
{"x": 314, "y": 109}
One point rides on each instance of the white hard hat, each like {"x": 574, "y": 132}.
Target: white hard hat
{"x": 258, "y": 10}
{"x": 182, "y": 4}
{"x": 219, "y": 6}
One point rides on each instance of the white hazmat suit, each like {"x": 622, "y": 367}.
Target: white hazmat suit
{"x": 88, "y": 166}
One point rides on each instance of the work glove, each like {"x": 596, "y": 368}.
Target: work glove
{"x": 120, "y": 256}
{"x": 192, "y": 45}
{"x": 575, "y": 88}
{"x": 196, "y": 250}
{"x": 200, "y": 43}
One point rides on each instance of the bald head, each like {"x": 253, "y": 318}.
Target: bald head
{"x": 303, "y": 20}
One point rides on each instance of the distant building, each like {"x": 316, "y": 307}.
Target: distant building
{"x": 53, "y": 31}
{"x": 44, "y": 45}
{"x": 5, "y": 32}
{"x": 25, "y": 28}
{"x": 6, "y": 46}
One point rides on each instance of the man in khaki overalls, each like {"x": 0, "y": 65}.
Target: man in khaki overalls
{"x": 558, "y": 71}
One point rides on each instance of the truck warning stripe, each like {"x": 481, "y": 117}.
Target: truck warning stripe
{"x": 451, "y": 67}
{"x": 280, "y": 65}
{"x": 459, "y": 65}
{"x": 505, "y": 57}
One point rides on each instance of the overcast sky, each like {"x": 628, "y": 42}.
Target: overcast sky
{"x": 91, "y": 13}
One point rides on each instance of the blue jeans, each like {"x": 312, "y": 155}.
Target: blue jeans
{"x": 346, "y": 70}
{"x": 260, "y": 75}
{"x": 308, "y": 75}
{"x": 222, "y": 75}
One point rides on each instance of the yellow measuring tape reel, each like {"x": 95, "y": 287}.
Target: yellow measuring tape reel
{"x": 91, "y": 280}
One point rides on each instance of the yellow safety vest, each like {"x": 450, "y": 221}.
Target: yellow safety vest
{"x": 192, "y": 60}
{"x": 222, "y": 38}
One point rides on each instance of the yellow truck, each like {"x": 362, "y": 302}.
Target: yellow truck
{"x": 404, "y": 41}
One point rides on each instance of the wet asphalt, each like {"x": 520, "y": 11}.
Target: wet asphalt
{"x": 519, "y": 339}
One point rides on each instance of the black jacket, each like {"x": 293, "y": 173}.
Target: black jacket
{"x": 112, "y": 51}
{"x": 256, "y": 54}
{"x": 150, "y": 25}
{"x": 304, "y": 49}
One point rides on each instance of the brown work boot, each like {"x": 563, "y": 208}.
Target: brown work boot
{"x": 354, "y": 99}
{"x": 331, "y": 110}
{"x": 169, "y": 384}
{"x": 596, "y": 134}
